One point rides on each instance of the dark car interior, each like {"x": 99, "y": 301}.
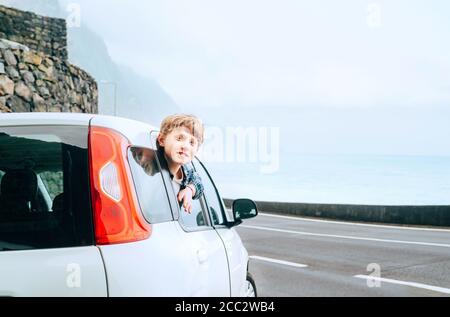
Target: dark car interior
{"x": 38, "y": 195}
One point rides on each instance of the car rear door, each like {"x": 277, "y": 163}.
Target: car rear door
{"x": 46, "y": 236}
{"x": 209, "y": 266}
{"x": 236, "y": 252}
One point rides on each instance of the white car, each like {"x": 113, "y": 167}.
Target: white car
{"x": 87, "y": 209}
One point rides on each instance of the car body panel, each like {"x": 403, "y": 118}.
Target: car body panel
{"x": 237, "y": 259}
{"x": 169, "y": 263}
{"x": 60, "y": 272}
{"x": 138, "y": 133}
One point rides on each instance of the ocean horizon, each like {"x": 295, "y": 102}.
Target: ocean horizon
{"x": 339, "y": 179}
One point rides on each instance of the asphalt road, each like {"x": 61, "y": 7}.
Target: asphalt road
{"x": 293, "y": 256}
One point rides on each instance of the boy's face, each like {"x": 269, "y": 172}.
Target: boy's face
{"x": 180, "y": 145}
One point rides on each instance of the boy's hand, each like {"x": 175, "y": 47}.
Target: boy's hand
{"x": 185, "y": 196}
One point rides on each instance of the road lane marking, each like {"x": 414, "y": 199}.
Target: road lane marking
{"x": 347, "y": 237}
{"x": 262, "y": 258}
{"x": 412, "y": 284}
{"x": 351, "y": 223}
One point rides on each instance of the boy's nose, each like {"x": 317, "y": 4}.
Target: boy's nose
{"x": 185, "y": 145}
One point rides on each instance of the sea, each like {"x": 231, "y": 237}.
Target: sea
{"x": 338, "y": 179}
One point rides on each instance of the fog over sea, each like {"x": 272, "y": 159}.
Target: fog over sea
{"x": 342, "y": 179}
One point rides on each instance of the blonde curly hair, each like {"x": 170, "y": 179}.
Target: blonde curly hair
{"x": 191, "y": 122}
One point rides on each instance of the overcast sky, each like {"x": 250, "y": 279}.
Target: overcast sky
{"x": 350, "y": 76}
{"x": 349, "y": 53}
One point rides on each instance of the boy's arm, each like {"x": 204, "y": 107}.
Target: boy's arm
{"x": 193, "y": 181}
{"x": 196, "y": 182}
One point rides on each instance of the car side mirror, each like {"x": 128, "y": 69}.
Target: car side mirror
{"x": 244, "y": 209}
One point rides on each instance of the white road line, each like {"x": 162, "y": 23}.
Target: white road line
{"x": 346, "y": 237}
{"x": 412, "y": 284}
{"x": 277, "y": 261}
{"x": 352, "y": 223}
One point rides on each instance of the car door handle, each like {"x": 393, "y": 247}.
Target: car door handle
{"x": 202, "y": 256}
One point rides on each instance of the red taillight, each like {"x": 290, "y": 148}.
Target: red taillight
{"x": 117, "y": 217}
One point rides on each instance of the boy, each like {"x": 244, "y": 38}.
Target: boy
{"x": 179, "y": 138}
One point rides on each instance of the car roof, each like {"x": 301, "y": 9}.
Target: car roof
{"x": 136, "y": 131}
{"x": 44, "y": 118}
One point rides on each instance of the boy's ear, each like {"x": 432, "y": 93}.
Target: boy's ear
{"x": 160, "y": 140}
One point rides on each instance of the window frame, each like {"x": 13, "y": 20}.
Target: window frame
{"x": 176, "y": 210}
{"x": 197, "y": 162}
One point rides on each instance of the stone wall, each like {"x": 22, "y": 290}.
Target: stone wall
{"x": 32, "y": 81}
{"x": 34, "y": 71}
{"x": 39, "y": 33}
